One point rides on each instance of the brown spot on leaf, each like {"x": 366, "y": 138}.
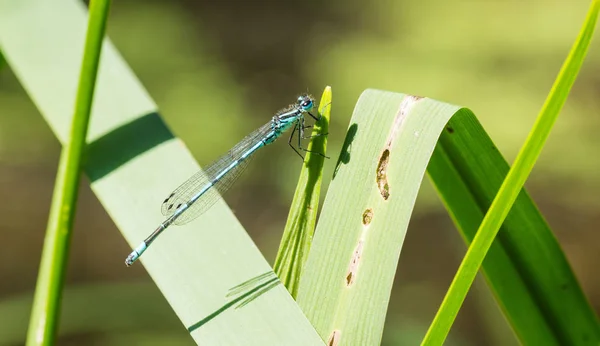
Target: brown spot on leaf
{"x": 367, "y": 216}
{"x": 382, "y": 182}
{"x": 334, "y": 338}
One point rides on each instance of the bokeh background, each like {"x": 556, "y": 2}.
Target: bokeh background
{"x": 219, "y": 69}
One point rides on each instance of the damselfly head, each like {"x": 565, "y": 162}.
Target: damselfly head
{"x": 305, "y": 103}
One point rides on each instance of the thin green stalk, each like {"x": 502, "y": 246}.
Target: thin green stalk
{"x": 45, "y": 314}
{"x": 512, "y": 185}
{"x": 300, "y": 226}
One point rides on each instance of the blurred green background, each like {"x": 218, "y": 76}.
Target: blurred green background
{"x": 219, "y": 69}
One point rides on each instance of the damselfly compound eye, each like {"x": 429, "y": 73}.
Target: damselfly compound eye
{"x": 307, "y": 104}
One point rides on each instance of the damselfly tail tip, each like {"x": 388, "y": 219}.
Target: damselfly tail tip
{"x": 135, "y": 254}
{"x": 131, "y": 258}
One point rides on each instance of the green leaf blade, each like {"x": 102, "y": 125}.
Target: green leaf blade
{"x": 300, "y": 226}
{"x": 525, "y": 267}
{"x": 349, "y": 274}
{"x": 587, "y": 331}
